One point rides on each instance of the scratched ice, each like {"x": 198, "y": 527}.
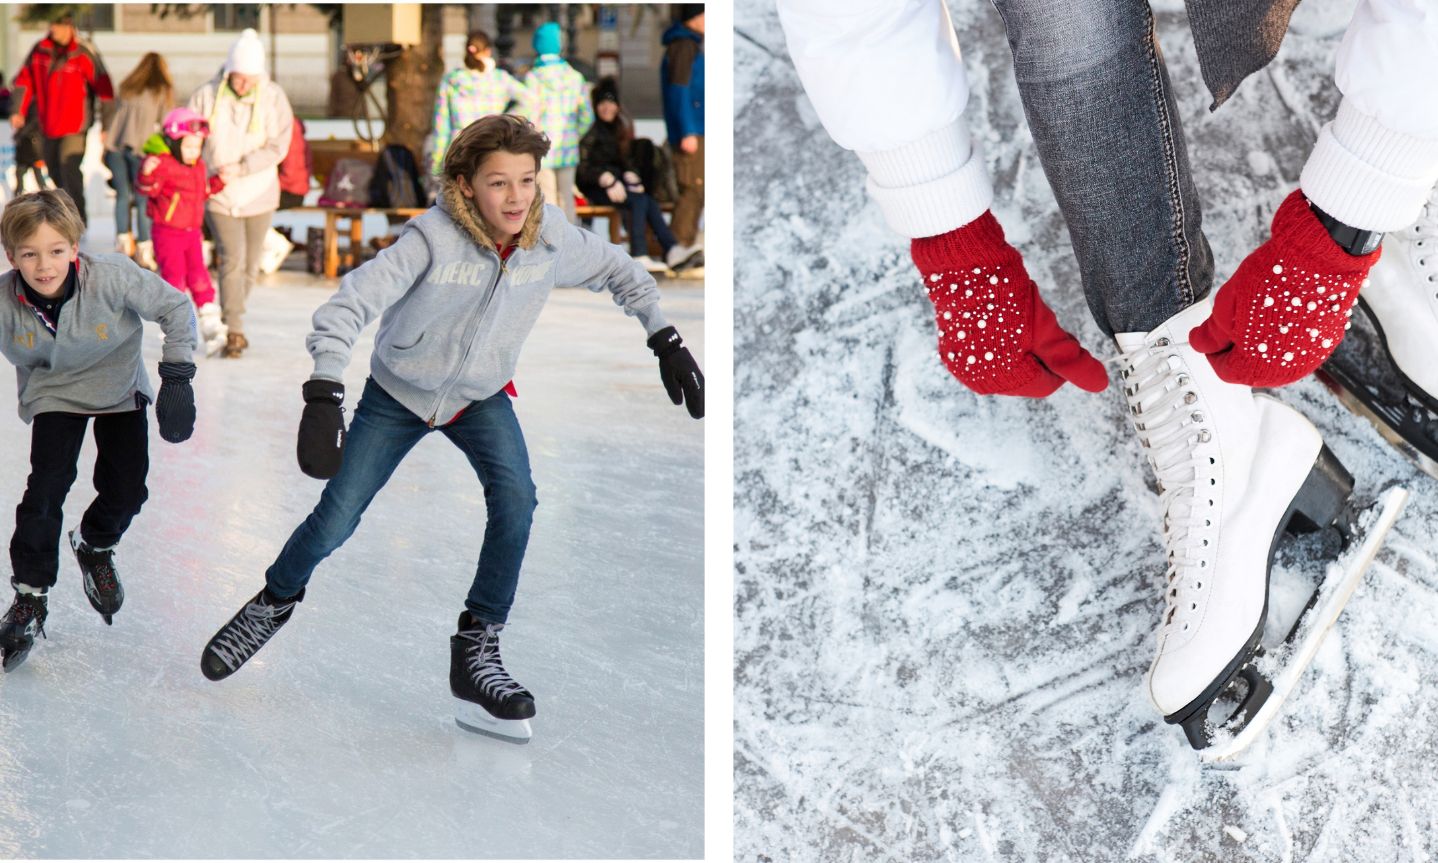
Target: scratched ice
{"x": 945, "y": 603}
{"x": 337, "y": 740}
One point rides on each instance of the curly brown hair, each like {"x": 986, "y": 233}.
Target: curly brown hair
{"x": 508, "y": 132}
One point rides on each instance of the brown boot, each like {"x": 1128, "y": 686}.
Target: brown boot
{"x": 235, "y": 344}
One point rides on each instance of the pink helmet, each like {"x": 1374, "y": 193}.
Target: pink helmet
{"x": 183, "y": 121}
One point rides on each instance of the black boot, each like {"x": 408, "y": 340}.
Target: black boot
{"x": 477, "y": 675}
{"x": 102, "y": 582}
{"x": 24, "y": 621}
{"x": 246, "y": 633}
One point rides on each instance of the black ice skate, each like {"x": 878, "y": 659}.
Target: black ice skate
{"x": 1364, "y": 375}
{"x": 102, "y": 582}
{"x": 24, "y": 621}
{"x": 246, "y": 633}
{"x": 1386, "y": 367}
{"x": 489, "y": 700}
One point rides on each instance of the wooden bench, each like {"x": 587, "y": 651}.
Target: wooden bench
{"x": 355, "y": 218}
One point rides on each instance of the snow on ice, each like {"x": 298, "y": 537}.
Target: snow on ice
{"x": 945, "y": 603}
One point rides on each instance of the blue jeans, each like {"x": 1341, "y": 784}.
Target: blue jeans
{"x": 125, "y": 168}
{"x": 644, "y": 209}
{"x": 382, "y": 432}
{"x": 1098, "y": 101}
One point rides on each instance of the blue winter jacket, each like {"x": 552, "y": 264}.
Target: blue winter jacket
{"x": 681, "y": 74}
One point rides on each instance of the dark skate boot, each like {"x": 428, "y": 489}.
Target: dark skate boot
{"x": 246, "y": 633}
{"x": 24, "y": 621}
{"x": 102, "y": 582}
{"x": 489, "y": 700}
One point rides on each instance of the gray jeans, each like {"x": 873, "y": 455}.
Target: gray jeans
{"x": 1101, "y": 109}
{"x": 238, "y": 242}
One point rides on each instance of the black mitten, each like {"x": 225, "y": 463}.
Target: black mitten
{"x": 682, "y": 378}
{"x": 175, "y": 406}
{"x": 321, "y": 445}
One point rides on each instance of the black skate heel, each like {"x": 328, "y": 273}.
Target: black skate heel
{"x": 1322, "y": 500}
{"x": 1256, "y": 689}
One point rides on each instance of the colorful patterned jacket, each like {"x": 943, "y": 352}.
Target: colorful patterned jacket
{"x": 464, "y": 96}
{"x": 559, "y": 105}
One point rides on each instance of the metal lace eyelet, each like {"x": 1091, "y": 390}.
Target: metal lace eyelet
{"x": 1189, "y": 398}
{"x": 1196, "y": 416}
{"x": 1204, "y": 435}
{"x": 1163, "y": 343}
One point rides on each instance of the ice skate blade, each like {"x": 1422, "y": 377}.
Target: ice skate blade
{"x": 13, "y": 660}
{"x": 1295, "y": 656}
{"x": 471, "y": 717}
{"x": 1380, "y": 417}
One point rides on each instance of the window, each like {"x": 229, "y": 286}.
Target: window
{"x": 236, "y": 16}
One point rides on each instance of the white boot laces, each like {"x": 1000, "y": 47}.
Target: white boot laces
{"x": 1165, "y": 414}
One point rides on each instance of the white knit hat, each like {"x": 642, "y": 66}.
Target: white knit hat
{"x": 247, "y": 55}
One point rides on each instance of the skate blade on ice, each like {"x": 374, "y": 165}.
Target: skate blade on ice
{"x": 13, "y": 658}
{"x": 1369, "y": 528}
{"x": 472, "y": 717}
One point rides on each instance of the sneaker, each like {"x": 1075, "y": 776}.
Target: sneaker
{"x": 650, "y": 264}
{"x": 246, "y": 633}
{"x": 680, "y": 256}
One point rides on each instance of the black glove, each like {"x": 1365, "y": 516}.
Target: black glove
{"x": 175, "y": 406}
{"x": 321, "y": 447}
{"x": 681, "y": 375}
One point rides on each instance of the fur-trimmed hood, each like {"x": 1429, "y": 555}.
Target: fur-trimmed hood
{"x": 466, "y": 215}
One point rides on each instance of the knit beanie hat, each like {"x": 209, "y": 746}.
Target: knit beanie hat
{"x": 606, "y": 89}
{"x": 546, "y": 38}
{"x": 690, "y": 10}
{"x": 247, "y": 55}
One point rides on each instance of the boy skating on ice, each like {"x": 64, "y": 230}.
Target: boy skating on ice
{"x": 456, "y": 295}
{"x": 173, "y": 179}
{"x": 71, "y": 324}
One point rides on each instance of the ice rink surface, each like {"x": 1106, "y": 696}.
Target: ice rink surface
{"x": 945, "y": 604}
{"x": 338, "y": 739}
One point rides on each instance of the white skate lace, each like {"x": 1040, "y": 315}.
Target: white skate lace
{"x": 248, "y": 633}
{"x": 1166, "y": 416}
{"x": 485, "y": 667}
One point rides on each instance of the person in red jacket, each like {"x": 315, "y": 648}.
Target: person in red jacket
{"x": 295, "y": 169}
{"x": 173, "y": 179}
{"x": 61, "y": 77}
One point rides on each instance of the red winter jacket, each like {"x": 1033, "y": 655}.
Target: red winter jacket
{"x": 176, "y": 191}
{"x": 61, "y": 81}
{"x": 296, "y": 167}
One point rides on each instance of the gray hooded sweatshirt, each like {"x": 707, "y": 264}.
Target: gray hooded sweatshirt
{"x": 91, "y": 363}
{"x": 453, "y": 316}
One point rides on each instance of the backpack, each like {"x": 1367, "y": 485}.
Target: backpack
{"x": 396, "y": 180}
{"x": 656, "y": 170}
{"x": 348, "y": 184}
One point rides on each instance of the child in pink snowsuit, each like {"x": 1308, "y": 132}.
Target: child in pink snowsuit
{"x": 173, "y": 176}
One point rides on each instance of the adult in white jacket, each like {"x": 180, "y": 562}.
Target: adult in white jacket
{"x": 250, "y": 125}
{"x": 1098, "y": 101}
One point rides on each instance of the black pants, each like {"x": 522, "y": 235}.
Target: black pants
{"x": 121, "y": 463}
{"x": 62, "y": 159}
